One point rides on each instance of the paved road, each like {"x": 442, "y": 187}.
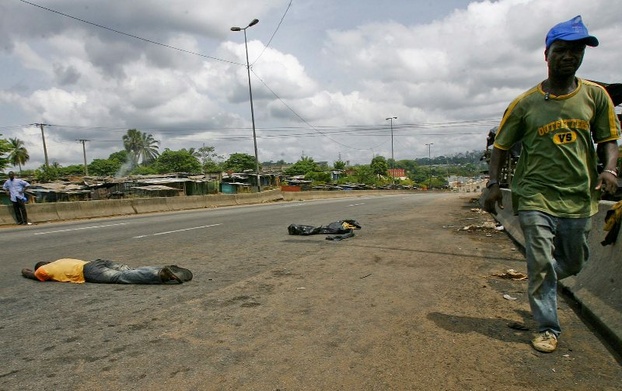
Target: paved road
{"x": 409, "y": 303}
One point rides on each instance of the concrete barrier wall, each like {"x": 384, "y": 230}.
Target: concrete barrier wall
{"x": 598, "y": 288}
{"x": 150, "y": 205}
{"x": 61, "y": 211}
{"x": 318, "y": 195}
{"x": 599, "y": 285}
{"x": 254, "y": 198}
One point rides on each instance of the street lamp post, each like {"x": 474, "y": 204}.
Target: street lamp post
{"x": 392, "y": 157}
{"x": 430, "y": 164}
{"x": 250, "y": 94}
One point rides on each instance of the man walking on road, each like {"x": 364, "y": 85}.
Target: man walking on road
{"x": 556, "y": 187}
{"x": 14, "y": 188}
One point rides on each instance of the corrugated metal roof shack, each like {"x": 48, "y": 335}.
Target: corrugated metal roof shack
{"x": 235, "y": 188}
{"x": 246, "y": 182}
{"x": 60, "y": 192}
{"x": 187, "y": 186}
{"x": 156, "y": 191}
{"x": 107, "y": 188}
{"x": 236, "y": 183}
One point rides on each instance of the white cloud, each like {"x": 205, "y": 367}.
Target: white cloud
{"x": 332, "y": 73}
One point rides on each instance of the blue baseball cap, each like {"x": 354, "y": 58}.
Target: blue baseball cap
{"x": 570, "y": 30}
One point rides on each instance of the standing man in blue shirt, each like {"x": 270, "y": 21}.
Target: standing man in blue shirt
{"x": 15, "y": 188}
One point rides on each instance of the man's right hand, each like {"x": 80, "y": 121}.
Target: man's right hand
{"x": 494, "y": 196}
{"x": 29, "y": 273}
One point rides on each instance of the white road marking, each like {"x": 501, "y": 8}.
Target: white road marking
{"x": 175, "y": 231}
{"x": 78, "y": 229}
{"x": 361, "y": 203}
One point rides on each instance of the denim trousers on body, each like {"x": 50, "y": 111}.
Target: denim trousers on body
{"x": 555, "y": 248}
{"x": 105, "y": 271}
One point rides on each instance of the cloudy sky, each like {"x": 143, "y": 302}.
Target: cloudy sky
{"x": 325, "y": 73}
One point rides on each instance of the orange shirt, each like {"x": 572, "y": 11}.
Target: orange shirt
{"x": 62, "y": 270}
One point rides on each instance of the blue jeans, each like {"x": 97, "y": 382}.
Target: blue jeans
{"x": 556, "y": 248}
{"x": 104, "y": 271}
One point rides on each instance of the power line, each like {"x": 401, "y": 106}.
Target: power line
{"x": 304, "y": 120}
{"x": 275, "y": 31}
{"x": 127, "y": 34}
{"x": 317, "y": 129}
{"x": 191, "y": 52}
{"x": 229, "y": 134}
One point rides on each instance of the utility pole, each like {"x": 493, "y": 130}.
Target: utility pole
{"x": 86, "y": 169}
{"x": 392, "y": 157}
{"x": 430, "y": 163}
{"x": 45, "y": 150}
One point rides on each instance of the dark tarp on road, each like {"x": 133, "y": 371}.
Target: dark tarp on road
{"x": 342, "y": 228}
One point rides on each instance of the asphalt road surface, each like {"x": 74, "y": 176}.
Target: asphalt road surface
{"x": 410, "y": 303}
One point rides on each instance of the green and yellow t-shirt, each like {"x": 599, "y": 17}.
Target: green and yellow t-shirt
{"x": 556, "y": 172}
{"x": 62, "y": 270}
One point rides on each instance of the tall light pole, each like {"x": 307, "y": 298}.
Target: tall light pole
{"x": 392, "y": 157}
{"x": 430, "y": 164}
{"x": 250, "y": 93}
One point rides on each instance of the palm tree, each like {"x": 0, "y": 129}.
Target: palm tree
{"x": 131, "y": 143}
{"x": 140, "y": 146}
{"x": 19, "y": 154}
{"x": 192, "y": 151}
{"x": 149, "y": 148}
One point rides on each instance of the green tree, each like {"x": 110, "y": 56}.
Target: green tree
{"x": 302, "y": 167}
{"x": 177, "y": 161}
{"x": 19, "y": 154}
{"x": 73, "y": 170}
{"x": 192, "y": 151}
{"x": 239, "y": 162}
{"x": 141, "y": 147}
{"x": 48, "y": 173}
{"x": 104, "y": 167}
{"x": 420, "y": 176}
{"x": 379, "y": 166}
{"x": 5, "y": 148}
{"x": 119, "y": 156}
{"x": 339, "y": 165}
{"x": 132, "y": 144}
{"x": 210, "y": 160}
{"x": 149, "y": 151}
{"x": 318, "y": 176}
{"x": 365, "y": 174}
{"x": 143, "y": 170}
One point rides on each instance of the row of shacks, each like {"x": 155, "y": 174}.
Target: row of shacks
{"x": 173, "y": 185}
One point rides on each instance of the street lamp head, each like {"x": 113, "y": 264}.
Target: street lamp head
{"x": 388, "y": 118}
{"x": 252, "y": 23}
